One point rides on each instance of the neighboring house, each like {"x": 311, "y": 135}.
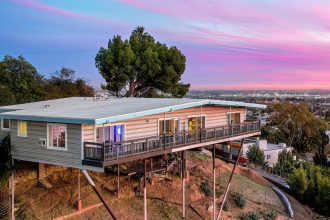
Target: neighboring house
{"x": 271, "y": 151}
{"x": 91, "y": 134}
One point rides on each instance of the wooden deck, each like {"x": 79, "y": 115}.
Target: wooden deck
{"x": 103, "y": 154}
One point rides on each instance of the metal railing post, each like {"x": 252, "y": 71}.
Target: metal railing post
{"x": 117, "y": 151}
{"x": 84, "y": 151}
{"x": 102, "y": 153}
{"x": 184, "y": 137}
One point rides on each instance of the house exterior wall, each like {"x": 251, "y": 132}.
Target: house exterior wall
{"x": 147, "y": 126}
{"x": 27, "y": 149}
{"x": 3, "y": 134}
{"x": 271, "y": 155}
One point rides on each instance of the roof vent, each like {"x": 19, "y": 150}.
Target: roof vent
{"x": 46, "y": 106}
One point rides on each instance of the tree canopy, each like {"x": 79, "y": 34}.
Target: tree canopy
{"x": 295, "y": 125}
{"x": 142, "y": 67}
{"x": 63, "y": 83}
{"x": 256, "y": 155}
{"x": 20, "y": 82}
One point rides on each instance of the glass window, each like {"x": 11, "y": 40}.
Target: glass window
{"x": 108, "y": 134}
{"x": 234, "y": 150}
{"x": 268, "y": 157}
{"x": 5, "y": 124}
{"x": 169, "y": 126}
{"x": 196, "y": 122}
{"x": 22, "y": 128}
{"x": 234, "y": 118}
{"x": 57, "y": 136}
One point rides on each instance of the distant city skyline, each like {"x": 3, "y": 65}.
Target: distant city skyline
{"x": 238, "y": 44}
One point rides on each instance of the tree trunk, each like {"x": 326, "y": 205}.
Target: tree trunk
{"x": 132, "y": 85}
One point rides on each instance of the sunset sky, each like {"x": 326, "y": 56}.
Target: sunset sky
{"x": 229, "y": 44}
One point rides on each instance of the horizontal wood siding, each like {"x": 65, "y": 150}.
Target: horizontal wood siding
{"x": 26, "y": 148}
{"x": 3, "y": 134}
{"x": 89, "y": 133}
{"x": 148, "y": 125}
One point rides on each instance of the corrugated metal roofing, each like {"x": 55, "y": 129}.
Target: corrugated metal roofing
{"x": 83, "y": 110}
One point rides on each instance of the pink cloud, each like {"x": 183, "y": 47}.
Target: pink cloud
{"x": 201, "y": 10}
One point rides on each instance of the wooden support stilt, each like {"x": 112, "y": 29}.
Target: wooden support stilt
{"x": 183, "y": 171}
{"x": 139, "y": 182}
{"x": 214, "y": 204}
{"x": 79, "y": 204}
{"x": 229, "y": 181}
{"x": 91, "y": 182}
{"x": 145, "y": 190}
{"x": 118, "y": 180}
{"x": 13, "y": 195}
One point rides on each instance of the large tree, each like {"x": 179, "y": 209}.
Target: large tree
{"x": 141, "y": 66}
{"x": 19, "y": 81}
{"x": 63, "y": 83}
{"x": 295, "y": 125}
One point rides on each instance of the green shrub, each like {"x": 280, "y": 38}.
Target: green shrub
{"x": 256, "y": 155}
{"x": 298, "y": 182}
{"x": 206, "y": 188}
{"x": 271, "y": 215}
{"x": 250, "y": 216}
{"x": 240, "y": 200}
{"x": 226, "y": 206}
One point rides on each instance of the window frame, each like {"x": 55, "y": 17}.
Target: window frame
{"x": 66, "y": 137}
{"x": 18, "y": 132}
{"x": 110, "y": 124}
{"x": 195, "y": 116}
{"x": 231, "y": 113}
{"x": 2, "y": 122}
{"x": 171, "y": 118}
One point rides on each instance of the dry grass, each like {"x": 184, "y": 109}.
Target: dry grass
{"x": 164, "y": 198}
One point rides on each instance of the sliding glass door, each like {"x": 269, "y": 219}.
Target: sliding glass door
{"x": 110, "y": 134}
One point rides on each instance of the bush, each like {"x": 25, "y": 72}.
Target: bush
{"x": 285, "y": 163}
{"x": 250, "y": 216}
{"x": 240, "y": 200}
{"x": 311, "y": 185}
{"x": 206, "y": 188}
{"x": 298, "y": 182}
{"x": 226, "y": 206}
{"x": 271, "y": 215}
{"x": 256, "y": 155}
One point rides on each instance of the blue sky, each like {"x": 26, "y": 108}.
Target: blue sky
{"x": 228, "y": 44}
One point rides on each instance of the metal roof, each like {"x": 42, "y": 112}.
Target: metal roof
{"x": 83, "y": 110}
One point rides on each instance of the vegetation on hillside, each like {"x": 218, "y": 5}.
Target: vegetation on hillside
{"x": 256, "y": 155}
{"x": 295, "y": 125}
{"x": 141, "y": 66}
{"x": 285, "y": 163}
{"x": 327, "y": 116}
{"x": 308, "y": 182}
{"x": 20, "y": 82}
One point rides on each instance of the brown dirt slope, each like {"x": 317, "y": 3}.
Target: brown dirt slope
{"x": 164, "y": 194}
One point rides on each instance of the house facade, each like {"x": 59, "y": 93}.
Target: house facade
{"x": 271, "y": 151}
{"x": 91, "y": 134}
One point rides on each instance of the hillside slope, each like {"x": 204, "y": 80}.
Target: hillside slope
{"x": 164, "y": 195}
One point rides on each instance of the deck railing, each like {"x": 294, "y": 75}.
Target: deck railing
{"x": 114, "y": 151}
